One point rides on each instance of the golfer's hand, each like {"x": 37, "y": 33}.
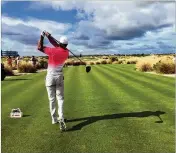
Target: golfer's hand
{"x": 47, "y": 33}
{"x": 43, "y": 34}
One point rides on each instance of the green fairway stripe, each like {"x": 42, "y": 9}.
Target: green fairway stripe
{"x": 163, "y": 89}
{"x": 18, "y": 99}
{"x": 15, "y": 80}
{"x": 93, "y": 93}
{"x": 163, "y": 80}
{"x": 29, "y": 107}
{"x": 157, "y": 79}
{"x": 137, "y": 92}
{"x": 15, "y": 84}
{"x": 29, "y": 128}
{"x": 88, "y": 87}
{"x": 54, "y": 143}
{"x": 35, "y": 122}
{"x": 52, "y": 129}
{"x": 110, "y": 106}
{"x": 168, "y": 118}
{"x": 134, "y": 84}
{"x": 103, "y": 86}
{"x": 120, "y": 108}
{"x": 81, "y": 103}
{"x": 10, "y": 82}
{"x": 154, "y": 77}
{"x": 8, "y": 97}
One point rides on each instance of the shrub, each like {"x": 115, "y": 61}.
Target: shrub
{"x": 25, "y": 67}
{"x": 26, "y": 59}
{"x": 97, "y": 63}
{"x": 67, "y": 63}
{"x": 115, "y": 62}
{"x": 104, "y": 57}
{"x": 8, "y": 70}
{"x": 144, "y": 66}
{"x": 103, "y": 62}
{"x": 92, "y": 63}
{"x": 164, "y": 67}
{"x": 123, "y": 61}
{"x": 38, "y": 66}
{"x": 76, "y": 63}
{"x": 131, "y": 62}
{"x": 120, "y": 62}
{"x": 43, "y": 64}
{"x": 109, "y": 61}
{"x": 14, "y": 67}
{"x": 113, "y": 59}
{"x": 82, "y": 63}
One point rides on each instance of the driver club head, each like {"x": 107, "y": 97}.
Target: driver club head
{"x": 88, "y": 68}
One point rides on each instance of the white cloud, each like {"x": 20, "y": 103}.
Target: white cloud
{"x": 27, "y": 32}
{"x": 51, "y": 26}
{"x": 115, "y": 26}
{"x": 118, "y": 19}
{"x": 23, "y": 50}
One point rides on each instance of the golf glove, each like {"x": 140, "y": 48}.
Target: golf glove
{"x": 43, "y": 34}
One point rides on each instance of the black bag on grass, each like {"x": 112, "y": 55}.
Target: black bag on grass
{"x": 3, "y": 73}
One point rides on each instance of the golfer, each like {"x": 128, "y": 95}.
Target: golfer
{"x": 54, "y": 78}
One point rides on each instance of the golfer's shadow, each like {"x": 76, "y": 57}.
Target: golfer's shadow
{"x": 92, "y": 119}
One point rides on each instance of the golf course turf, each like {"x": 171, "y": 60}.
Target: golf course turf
{"x": 113, "y": 108}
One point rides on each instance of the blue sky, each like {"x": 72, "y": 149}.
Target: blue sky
{"x": 106, "y": 27}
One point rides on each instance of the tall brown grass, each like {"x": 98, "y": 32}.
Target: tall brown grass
{"x": 165, "y": 67}
{"x": 145, "y": 64}
{"x": 144, "y": 67}
{"x": 8, "y": 70}
{"x": 97, "y": 63}
{"x": 26, "y": 67}
{"x": 42, "y": 64}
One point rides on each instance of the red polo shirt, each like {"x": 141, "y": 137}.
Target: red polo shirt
{"x": 57, "y": 57}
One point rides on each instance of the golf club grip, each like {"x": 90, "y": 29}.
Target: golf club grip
{"x": 68, "y": 50}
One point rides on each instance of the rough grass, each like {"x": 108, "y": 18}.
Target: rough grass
{"x": 8, "y": 70}
{"x": 111, "y": 109}
{"x": 25, "y": 67}
{"x": 144, "y": 66}
{"x": 163, "y": 64}
{"x": 165, "y": 67}
{"x": 42, "y": 64}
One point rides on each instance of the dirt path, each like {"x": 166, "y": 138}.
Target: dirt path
{"x": 167, "y": 75}
{"x": 16, "y": 73}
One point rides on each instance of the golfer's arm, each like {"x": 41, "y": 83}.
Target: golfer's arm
{"x": 52, "y": 41}
{"x": 40, "y": 46}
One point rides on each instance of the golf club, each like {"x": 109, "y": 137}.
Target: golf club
{"x": 88, "y": 68}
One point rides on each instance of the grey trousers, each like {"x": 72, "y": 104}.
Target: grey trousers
{"x": 55, "y": 89}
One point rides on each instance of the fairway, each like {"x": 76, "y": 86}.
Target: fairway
{"x": 111, "y": 109}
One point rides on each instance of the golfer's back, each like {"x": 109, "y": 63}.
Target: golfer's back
{"x": 57, "y": 57}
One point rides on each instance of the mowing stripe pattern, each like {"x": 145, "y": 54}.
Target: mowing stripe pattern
{"x": 113, "y": 108}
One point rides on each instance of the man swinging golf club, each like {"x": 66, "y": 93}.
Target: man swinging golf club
{"x": 54, "y": 79}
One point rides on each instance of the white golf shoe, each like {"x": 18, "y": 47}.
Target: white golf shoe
{"x": 62, "y": 125}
